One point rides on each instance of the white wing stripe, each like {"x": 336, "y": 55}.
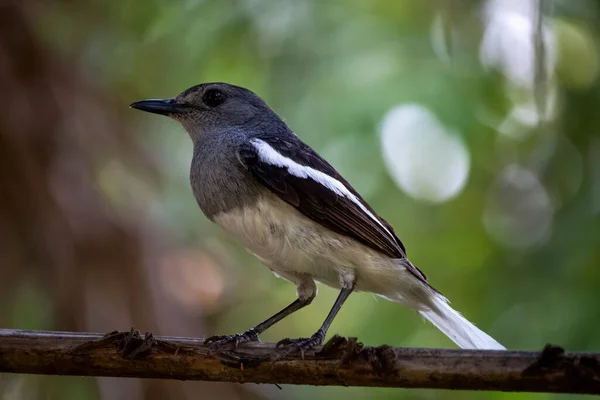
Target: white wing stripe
{"x": 271, "y": 156}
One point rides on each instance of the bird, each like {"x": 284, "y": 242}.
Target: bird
{"x": 255, "y": 178}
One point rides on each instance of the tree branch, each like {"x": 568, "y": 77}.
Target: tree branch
{"x": 341, "y": 361}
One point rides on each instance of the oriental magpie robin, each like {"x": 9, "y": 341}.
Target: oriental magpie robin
{"x": 253, "y": 176}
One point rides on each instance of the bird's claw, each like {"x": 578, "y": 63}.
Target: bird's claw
{"x": 297, "y": 345}
{"x": 214, "y": 342}
{"x": 288, "y": 342}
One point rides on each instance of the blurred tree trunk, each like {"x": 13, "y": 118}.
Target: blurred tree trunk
{"x": 96, "y": 267}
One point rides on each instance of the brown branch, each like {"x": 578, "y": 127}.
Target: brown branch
{"x": 340, "y": 362}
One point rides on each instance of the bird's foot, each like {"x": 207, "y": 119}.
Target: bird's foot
{"x": 214, "y": 342}
{"x": 301, "y": 345}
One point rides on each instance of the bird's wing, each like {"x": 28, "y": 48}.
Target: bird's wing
{"x": 300, "y": 177}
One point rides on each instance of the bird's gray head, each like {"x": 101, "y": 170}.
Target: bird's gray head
{"x": 209, "y": 106}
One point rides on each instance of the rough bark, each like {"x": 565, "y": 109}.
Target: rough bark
{"x": 340, "y": 362}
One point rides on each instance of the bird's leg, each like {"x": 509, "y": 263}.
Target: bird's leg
{"x": 304, "y": 344}
{"x": 306, "y": 293}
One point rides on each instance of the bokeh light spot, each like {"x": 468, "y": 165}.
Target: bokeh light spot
{"x": 507, "y": 42}
{"x": 193, "y": 278}
{"x": 519, "y": 211}
{"x": 424, "y": 159}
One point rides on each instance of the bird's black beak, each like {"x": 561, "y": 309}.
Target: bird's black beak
{"x": 162, "y": 107}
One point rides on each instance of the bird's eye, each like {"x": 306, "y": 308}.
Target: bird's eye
{"x": 213, "y": 98}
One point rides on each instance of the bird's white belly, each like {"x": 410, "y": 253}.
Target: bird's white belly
{"x": 288, "y": 242}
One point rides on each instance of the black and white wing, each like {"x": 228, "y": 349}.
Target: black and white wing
{"x": 300, "y": 177}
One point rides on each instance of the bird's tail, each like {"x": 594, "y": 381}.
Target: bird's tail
{"x": 456, "y": 327}
{"x": 413, "y": 291}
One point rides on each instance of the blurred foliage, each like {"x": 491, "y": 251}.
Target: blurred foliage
{"x": 516, "y": 248}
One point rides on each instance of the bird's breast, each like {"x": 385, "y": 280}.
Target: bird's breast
{"x": 219, "y": 181}
{"x": 289, "y": 242}
{"x": 270, "y": 229}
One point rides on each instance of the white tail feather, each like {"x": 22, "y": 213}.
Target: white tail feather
{"x": 456, "y": 327}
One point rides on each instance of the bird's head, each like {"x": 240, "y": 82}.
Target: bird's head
{"x": 208, "y": 106}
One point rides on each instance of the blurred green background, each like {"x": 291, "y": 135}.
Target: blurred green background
{"x": 473, "y": 127}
